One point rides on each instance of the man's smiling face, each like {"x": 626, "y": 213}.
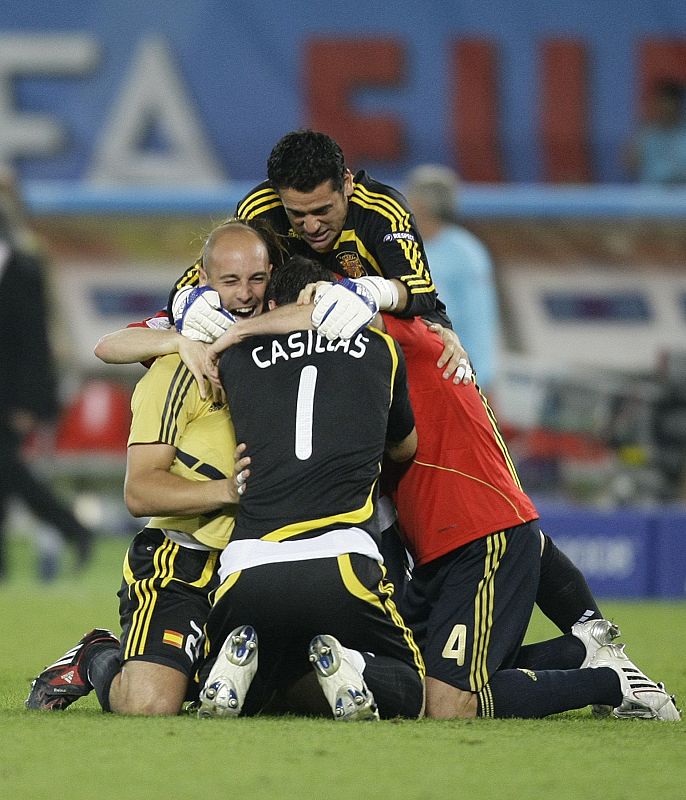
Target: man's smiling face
{"x": 238, "y": 268}
{"x": 318, "y": 216}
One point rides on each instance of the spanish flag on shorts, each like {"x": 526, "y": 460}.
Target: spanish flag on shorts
{"x": 173, "y": 638}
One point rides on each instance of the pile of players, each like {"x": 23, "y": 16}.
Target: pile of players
{"x": 341, "y": 428}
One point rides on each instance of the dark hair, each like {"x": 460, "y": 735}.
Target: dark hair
{"x": 276, "y": 250}
{"x": 287, "y": 281}
{"x": 304, "y": 159}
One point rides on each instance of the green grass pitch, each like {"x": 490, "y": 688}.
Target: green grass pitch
{"x": 82, "y": 753}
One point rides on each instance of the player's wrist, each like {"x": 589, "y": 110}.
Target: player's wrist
{"x": 384, "y": 291}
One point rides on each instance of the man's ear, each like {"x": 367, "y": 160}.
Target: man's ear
{"x": 271, "y": 305}
{"x": 202, "y": 275}
{"x": 348, "y": 187}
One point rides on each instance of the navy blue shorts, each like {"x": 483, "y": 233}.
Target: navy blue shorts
{"x": 470, "y": 609}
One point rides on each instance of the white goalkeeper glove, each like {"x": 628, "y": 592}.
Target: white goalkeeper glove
{"x": 345, "y": 307}
{"x": 384, "y": 291}
{"x": 198, "y": 314}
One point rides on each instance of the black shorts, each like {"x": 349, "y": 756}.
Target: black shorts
{"x": 163, "y": 600}
{"x": 290, "y": 603}
{"x": 470, "y": 608}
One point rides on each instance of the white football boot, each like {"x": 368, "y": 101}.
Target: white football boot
{"x": 642, "y": 698}
{"x": 595, "y": 633}
{"x": 341, "y": 682}
{"x": 227, "y": 685}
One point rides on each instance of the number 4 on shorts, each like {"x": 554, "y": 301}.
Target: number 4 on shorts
{"x": 455, "y": 644}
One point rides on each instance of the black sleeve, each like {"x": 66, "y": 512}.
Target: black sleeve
{"x": 190, "y": 277}
{"x": 400, "y": 415}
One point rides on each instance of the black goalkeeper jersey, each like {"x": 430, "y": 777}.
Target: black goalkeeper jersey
{"x": 379, "y": 237}
{"x": 315, "y": 416}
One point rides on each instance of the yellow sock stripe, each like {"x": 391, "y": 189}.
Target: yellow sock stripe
{"x": 472, "y": 478}
{"x": 486, "y": 701}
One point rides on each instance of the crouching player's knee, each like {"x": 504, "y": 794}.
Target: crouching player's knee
{"x": 444, "y": 701}
{"x": 145, "y": 689}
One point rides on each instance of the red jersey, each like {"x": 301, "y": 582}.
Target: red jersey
{"x": 462, "y": 484}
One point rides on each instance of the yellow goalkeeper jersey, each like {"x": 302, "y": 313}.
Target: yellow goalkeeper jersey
{"x": 167, "y": 409}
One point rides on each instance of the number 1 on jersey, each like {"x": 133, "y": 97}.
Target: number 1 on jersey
{"x": 304, "y": 412}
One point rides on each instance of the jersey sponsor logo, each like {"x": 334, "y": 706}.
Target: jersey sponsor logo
{"x": 304, "y": 343}
{"x": 350, "y": 264}
{"x": 394, "y": 237}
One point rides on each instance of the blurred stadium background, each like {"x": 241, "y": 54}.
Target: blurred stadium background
{"x": 131, "y": 128}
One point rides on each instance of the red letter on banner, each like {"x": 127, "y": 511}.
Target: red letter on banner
{"x": 564, "y": 111}
{"x": 334, "y": 70}
{"x": 475, "y": 110}
{"x": 661, "y": 59}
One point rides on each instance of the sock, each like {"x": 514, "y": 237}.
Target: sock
{"x": 396, "y": 686}
{"x": 531, "y": 695}
{"x": 103, "y": 664}
{"x": 563, "y": 594}
{"x": 563, "y": 652}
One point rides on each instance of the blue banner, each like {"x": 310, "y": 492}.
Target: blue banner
{"x": 126, "y": 92}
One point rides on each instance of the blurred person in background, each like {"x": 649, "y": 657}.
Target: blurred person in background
{"x": 657, "y": 152}
{"x": 28, "y": 379}
{"x": 461, "y": 265}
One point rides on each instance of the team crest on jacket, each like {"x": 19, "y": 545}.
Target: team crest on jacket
{"x": 350, "y": 264}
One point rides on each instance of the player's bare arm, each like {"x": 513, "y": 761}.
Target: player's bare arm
{"x": 130, "y": 345}
{"x": 404, "y": 450}
{"x": 150, "y": 489}
{"x": 139, "y": 344}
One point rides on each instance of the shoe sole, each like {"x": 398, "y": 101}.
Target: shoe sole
{"x": 221, "y": 697}
{"x": 351, "y": 703}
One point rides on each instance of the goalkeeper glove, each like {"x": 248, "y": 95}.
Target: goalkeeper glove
{"x": 199, "y": 315}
